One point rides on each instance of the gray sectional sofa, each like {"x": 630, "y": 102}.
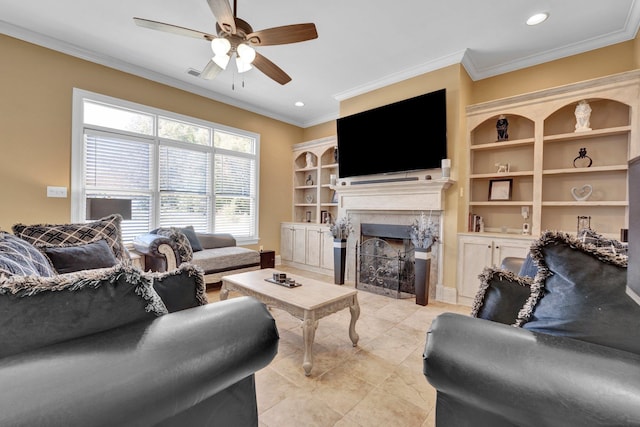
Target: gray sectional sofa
{"x": 215, "y": 253}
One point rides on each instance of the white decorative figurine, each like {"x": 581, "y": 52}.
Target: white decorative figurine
{"x": 583, "y": 114}
{"x": 310, "y": 160}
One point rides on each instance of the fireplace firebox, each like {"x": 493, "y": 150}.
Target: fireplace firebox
{"x": 386, "y": 260}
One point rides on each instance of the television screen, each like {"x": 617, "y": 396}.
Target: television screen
{"x": 404, "y": 136}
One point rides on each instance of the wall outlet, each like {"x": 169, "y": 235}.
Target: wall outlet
{"x": 56, "y": 191}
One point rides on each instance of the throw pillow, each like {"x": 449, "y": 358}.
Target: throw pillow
{"x": 580, "y": 292}
{"x": 107, "y": 228}
{"x": 501, "y": 295}
{"x": 39, "y": 311}
{"x": 19, "y": 257}
{"x": 190, "y": 232}
{"x": 181, "y": 288}
{"x": 85, "y": 256}
{"x": 587, "y": 235}
{"x": 184, "y": 247}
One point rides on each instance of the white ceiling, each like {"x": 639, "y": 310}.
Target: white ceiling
{"x": 361, "y": 44}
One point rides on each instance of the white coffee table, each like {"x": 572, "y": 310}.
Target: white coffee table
{"x": 310, "y": 302}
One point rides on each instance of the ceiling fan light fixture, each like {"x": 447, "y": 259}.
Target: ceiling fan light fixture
{"x": 538, "y": 18}
{"x": 221, "y": 60}
{"x": 220, "y": 46}
{"x": 246, "y": 52}
{"x": 242, "y": 65}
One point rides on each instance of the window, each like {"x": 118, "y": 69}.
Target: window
{"x": 176, "y": 170}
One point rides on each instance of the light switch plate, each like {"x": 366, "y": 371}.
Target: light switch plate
{"x": 56, "y": 191}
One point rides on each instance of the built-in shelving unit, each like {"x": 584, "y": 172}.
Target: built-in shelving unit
{"x": 313, "y": 164}
{"x": 540, "y": 150}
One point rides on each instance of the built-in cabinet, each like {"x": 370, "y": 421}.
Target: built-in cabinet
{"x": 307, "y": 246}
{"x": 306, "y": 241}
{"x": 477, "y": 251}
{"x": 548, "y": 179}
{"x": 314, "y": 164}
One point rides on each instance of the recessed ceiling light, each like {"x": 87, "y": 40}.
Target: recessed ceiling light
{"x": 538, "y": 18}
{"x": 299, "y": 104}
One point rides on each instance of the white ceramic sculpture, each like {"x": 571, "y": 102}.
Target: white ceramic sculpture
{"x": 583, "y": 115}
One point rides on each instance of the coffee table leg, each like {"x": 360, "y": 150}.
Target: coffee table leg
{"x": 355, "y": 313}
{"x": 309, "y": 325}
{"x": 224, "y": 292}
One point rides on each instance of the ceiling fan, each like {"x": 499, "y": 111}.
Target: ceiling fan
{"x": 236, "y": 37}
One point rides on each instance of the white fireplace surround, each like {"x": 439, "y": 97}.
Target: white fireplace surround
{"x": 399, "y": 202}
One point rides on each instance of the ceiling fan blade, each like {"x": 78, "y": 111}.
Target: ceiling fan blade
{"x": 282, "y": 35}
{"x": 211, "y": 70}
{"x": 270, "y": 69}
{"x": 224, "y": 15}
{"x": 174, "y": 29}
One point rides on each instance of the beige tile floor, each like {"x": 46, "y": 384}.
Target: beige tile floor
{"x": 377, "y": 383}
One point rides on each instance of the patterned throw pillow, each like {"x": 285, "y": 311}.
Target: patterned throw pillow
{"x": 182, "y": 242}
{"x": 47, "y": 235}
{"x": 18, "y": 257}
{"x": 587, "y": 235}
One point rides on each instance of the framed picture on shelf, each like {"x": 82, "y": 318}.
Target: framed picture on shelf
{"x": 500, "y": 189}
{"x": 334, "y": 196}
{"x": 325, "y": 217}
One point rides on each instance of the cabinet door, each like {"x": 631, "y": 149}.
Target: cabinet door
{"x": 474, "y": 255}
{"x": 313, "y": 246}
{"x": 326, "y": 254}
{"x": 299, "y": 244}
{"x": 286, "y": 242}
{"x": 509, "y": 248}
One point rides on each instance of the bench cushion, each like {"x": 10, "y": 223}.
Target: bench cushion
{"x": 229, "y": 258}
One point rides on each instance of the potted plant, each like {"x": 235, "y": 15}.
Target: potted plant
{"x": 340, "y": 230}
{"x": 424, "y": 234}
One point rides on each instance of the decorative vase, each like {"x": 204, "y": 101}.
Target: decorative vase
{"x": 339, "y": 260}
{"x": 422, "y": 270}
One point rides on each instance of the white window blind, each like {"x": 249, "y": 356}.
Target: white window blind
{"x": 176, "y": 170}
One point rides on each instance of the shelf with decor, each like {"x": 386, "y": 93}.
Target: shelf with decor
{"x": 315, "y": 167}
{"x": 565, "y": 155}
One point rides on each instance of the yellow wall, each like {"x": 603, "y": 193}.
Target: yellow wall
{"x": 35, "y": 124}
{"x": 462, "y": 91}
{"x": 35, "y": 133}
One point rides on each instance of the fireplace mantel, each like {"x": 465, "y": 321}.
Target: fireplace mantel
{"x": 391, "y": 195}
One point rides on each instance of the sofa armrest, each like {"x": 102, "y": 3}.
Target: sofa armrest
{"x": 216, "y": 240}
{"x": 142, "y": 373}
{"x": 503, "y": 375}
{"x": 160, "y": 252}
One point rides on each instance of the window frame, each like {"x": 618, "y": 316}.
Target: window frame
{"x": 78, "y": 189}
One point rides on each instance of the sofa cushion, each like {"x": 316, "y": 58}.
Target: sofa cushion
{"x": 221, "y": 259}
{"x": 21, "y": 258}
{"x": 580, "y": 292}
{"x": 501, "y": 295}
{"x": 107, "y": 228}
{"x": 181, "y": 288}
{"x": 84, "y": 256}
{"x": 38, "y": 311}
{"x": 182, "y": 242}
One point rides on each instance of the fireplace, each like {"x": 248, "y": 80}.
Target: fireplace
{"x": 385, "y": 260}
{"x": 389, "y": 202}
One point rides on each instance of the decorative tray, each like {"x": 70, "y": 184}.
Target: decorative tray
{"x": 285, "y": 284}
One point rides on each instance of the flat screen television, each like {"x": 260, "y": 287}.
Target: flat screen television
{"x": 405, "y": 136}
